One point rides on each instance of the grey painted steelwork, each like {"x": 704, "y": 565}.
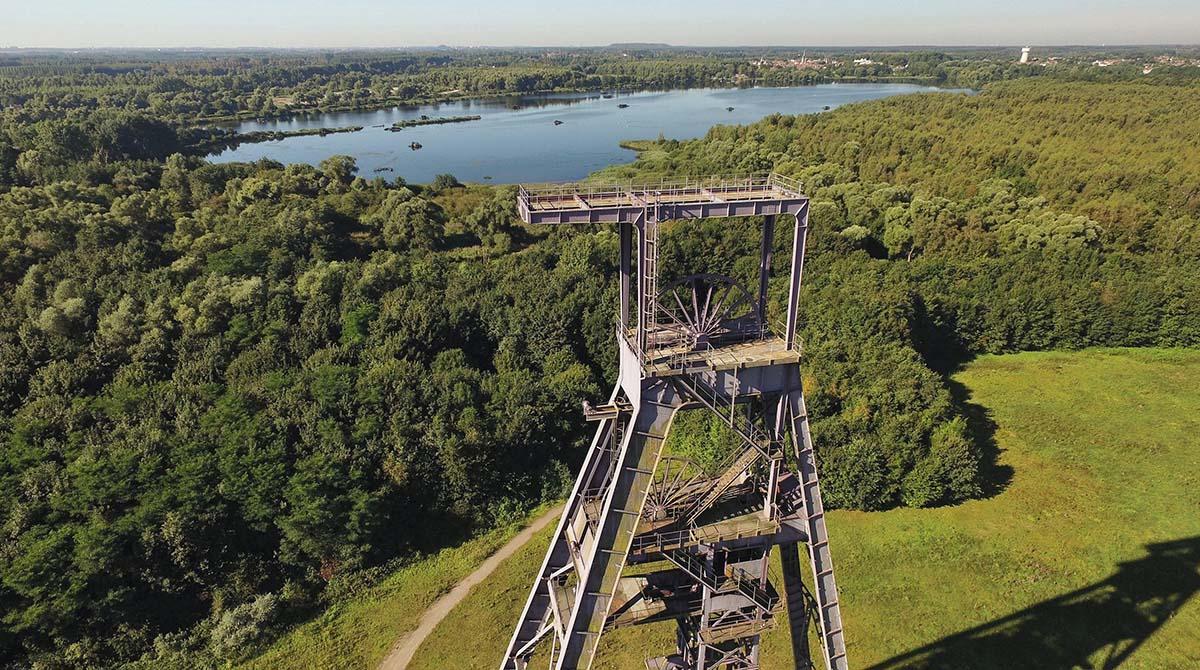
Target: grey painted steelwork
{"x": 700, "y": 342}
{"x": 758, "y": 195}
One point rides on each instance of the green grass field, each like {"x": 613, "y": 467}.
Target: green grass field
{"x": 1087, "y": 555}
{"x": 359, "y": 632}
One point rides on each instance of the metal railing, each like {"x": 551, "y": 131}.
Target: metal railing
{"x": 785, "y": 183}
{"x": 649, "y": 193}
{"x": 723, "y": 354}
{"x": 659, "y": 540}
{"x": 684, "y": 356}
{"x": 705, "y": 387}
{"x": 749, "y": 586}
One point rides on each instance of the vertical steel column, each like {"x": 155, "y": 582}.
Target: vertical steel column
{"x": 641, "y": 292}
{"x": 626, "y": 264}
{"x": 774, "y": 412}
{"x": 647, "y": 277}
{"x": 764, "y": 266}
{"x": 799, "y": 237}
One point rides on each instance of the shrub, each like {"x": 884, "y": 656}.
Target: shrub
{"x": 949, "y": 473}
{"x": 856, "y": 476}
{"x": 444, "y": 181}
{"x": 239, "y": 628}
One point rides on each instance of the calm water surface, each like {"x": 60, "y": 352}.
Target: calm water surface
{"x": 523, "y": 144}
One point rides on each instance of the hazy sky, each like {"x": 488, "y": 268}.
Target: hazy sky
{"x": 334, "y": 23}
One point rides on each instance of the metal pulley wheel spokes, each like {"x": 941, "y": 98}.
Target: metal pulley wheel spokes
{"x": 707, "y": 308}
{"x": 677, "y": 482}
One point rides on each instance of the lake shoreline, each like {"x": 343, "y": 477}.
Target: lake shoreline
{"x": 291, "y": 114}
{"x": 557, "y": 137}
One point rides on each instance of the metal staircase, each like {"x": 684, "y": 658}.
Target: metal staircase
{"x": 703, "y": 386}
{"x": 729, "y": 475}
{"x": 739, "y": 579}
{"x": 752, "y": 588}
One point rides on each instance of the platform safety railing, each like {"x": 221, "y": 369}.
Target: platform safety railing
{"x": 653, "y": 192}
{"x": 657, "y": 541}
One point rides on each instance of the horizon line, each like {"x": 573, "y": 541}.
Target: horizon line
{"x": 614, "y": 45}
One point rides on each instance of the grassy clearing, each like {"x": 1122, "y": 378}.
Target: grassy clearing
{"x": 358, "y": 633}
{"x": 647, "y": 149}
{"x": 1087, "y": 556}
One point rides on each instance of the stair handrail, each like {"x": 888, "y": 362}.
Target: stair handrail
{"x": 757, "y": 437}
{"x": 660, "y": 540}
{"x": 751, "y": 587}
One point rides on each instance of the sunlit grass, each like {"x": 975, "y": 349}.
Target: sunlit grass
{"x": 1104, "y": 450}
{"x": 359, "y": 633}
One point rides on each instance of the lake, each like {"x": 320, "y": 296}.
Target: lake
{"x": 513, "y": 145}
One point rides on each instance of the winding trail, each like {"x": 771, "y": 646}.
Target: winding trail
{"x": 405, "y": 649}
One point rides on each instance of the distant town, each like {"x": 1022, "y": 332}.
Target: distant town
{"x": 878, "y": 63}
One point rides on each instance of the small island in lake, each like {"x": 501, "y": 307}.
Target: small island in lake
{"x": 222, "y": 138}
{"x": 427, "y": 121}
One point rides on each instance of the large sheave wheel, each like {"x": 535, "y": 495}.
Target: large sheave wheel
{"x": 706, "y": 308}
{"x": 677, "y": 483}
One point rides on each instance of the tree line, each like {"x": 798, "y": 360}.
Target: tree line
{"x": 230, "y": 392}
{"x": 187, "y": 88}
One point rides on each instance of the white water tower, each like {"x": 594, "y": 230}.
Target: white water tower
{"x": 1025, "y": 55}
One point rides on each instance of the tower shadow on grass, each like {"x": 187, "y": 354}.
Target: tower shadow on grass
{"x": 994, "y": 476}
{"x": 1096, "y": 627}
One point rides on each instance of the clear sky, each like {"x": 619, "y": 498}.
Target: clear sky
{"x": 401, "y": 23}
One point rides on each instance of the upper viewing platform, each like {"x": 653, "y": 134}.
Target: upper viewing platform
{"x": 692, "y": 198}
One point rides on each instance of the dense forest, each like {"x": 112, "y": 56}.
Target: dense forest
{"x": 230, "y": 392}
{"x": 218, "y": 85}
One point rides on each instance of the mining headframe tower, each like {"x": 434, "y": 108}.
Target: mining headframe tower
{"x": 702, "y": 539}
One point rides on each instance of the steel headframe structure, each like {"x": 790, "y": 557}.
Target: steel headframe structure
{"x": 701, "y": 341}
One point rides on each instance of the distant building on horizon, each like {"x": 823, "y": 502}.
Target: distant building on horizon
{"x": 1025, "y": 55}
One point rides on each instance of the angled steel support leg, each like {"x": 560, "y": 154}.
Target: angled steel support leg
{"x": 617, "y": 525}
{"x": 560, "y": 555}
{"x": 833, "y": 641}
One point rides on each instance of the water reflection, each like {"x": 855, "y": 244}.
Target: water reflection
{"x": 517, "y": 138}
